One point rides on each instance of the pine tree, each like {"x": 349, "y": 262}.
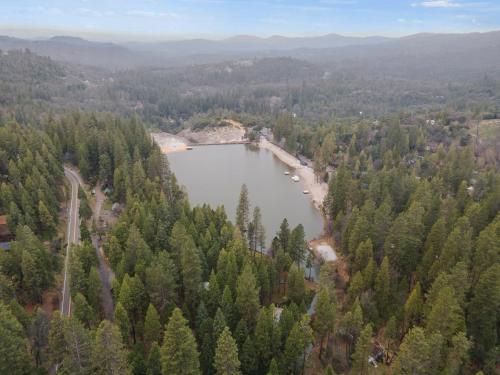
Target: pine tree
{"x": 152, "y": 326}
{"x": 108, "y": 354}
{"x": 81, "y": 309}
{"x": 413, "y": 307}
{"x": 483, "y": 313}
{"x": 284, "y": 234}
{"x": 56, "y": 342}
{"x": 219, "y": 323}
{"x": 77, "y": 357}
{"x": 458, "y": 355}
{"x": 247, "y": 296}
{"x": 446, "y": 316}
{"x": 243, "y": 210}
{"x": 47, "y": 223}
{"x": 14, "y": 355}
{"x": 297, "y": 245}
{"x": 382, "y": 287}
{"x": 355, "y": 287}
{"x": 418, "y": 354}
{"x": 296, "y": 344}
{"x": 273, "y": 368}
{"x": 362, "y": 352}
{"x": 122, "y": 321}
{"x": 154, "y": 360}
{"x": 227, "y": 306}
{"x": 323, "y": 324}
{"x": 248, "y": 357}
{"x": 226, "y": 360}
{"x": 191, "y": 273}
{"x": 179, "y": 355}
{"x": 296, "y": 285}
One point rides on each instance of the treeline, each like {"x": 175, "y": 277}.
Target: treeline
{"x": 30, "y": 178}
{"x": 420, "y": 232}
{"x": 119, "y": 154}
{"x": 190, "y": 295}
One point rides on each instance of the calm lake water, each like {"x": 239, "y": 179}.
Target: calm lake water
{"x": 214, "y": 175}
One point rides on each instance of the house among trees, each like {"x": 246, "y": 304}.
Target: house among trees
{"x": 5, "y": 235}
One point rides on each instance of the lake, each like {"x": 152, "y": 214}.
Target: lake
{"x": 214, "y": 175}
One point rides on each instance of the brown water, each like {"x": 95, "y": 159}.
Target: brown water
{"x": 214, "y": 175}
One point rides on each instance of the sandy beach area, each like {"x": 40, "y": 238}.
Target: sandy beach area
{"x": 317, "y": 190}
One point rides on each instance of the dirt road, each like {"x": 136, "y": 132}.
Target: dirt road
{"x": 105, "y": 272}
{"x": 73, "y": 237}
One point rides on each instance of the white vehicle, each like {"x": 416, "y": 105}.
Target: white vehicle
{"x": 296, "y": 178}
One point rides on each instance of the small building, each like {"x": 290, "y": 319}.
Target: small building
{"x": 5, "y": 234}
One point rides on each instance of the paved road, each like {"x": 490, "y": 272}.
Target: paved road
{"x": 72, "y": 238}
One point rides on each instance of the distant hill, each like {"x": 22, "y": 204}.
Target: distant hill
{"x": 432, "y": 56}
{"x": 76, "y": 51}
{"x": 248, "y": 43}
{"x": 420, "y": 55}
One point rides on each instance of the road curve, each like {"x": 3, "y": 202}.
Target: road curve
{"x": 73, "y": 237}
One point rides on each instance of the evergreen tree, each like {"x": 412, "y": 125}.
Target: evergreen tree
{"x": 94, "y": 290}
{"x": 297, "y": 245}
{"x": 248, "y": 357}
{"x": 383, "y": 287}
{"x": 323, "y": 324}
{"x": 446, "y": 316}
{"x": 296, "y": 344}
{"x": 284, "y": 234}
{"x": 418, "y": 354}
{"x": 226, "y": 360}
{"x": 152, "y": 326}
{"x": 108, "y": 353}
{"x": 243, "y": 210}
{"x": 296, "y": 285}
{"x": 14, "y": 355}
{"x": 77, "y": 357}
{"x": 273, "y": 368}
{"x": 122, "y": 321}
{"x": 483, "y": 313}
{"x": 179, "y": 355}
{"x": 154, "y": 360}
{"x": 413, "y": 307}
{"x": 363, "y": 351}
{"x": 247, "y": 296}
{"x": 81, "y": 310}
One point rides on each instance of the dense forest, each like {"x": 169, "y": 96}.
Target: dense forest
{"x": 413, "y": 209}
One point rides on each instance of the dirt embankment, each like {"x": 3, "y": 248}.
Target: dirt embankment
{"x": 169, "y": 143}
{"x": 233, "y": 132}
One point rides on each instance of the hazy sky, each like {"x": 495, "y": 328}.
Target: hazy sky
{"x": 219, "y": 18}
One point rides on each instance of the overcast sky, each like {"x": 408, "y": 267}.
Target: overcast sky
{"x": 220, "y": 18}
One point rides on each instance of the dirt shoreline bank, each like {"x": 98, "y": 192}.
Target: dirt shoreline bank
{"x": 317, "y": 190}
{"x": 321, "y": 247}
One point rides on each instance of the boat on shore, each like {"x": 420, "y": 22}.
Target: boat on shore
{"x": 287, "y": 173}
{"x": 189, "y": 147}
{"x": 306, "y": 191}
{"x": 296, "y": 178}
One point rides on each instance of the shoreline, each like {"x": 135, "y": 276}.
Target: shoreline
{"x": 321, "y": 247}
{"x": 170, "y": 143}
{"x": 317, "y": 190}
